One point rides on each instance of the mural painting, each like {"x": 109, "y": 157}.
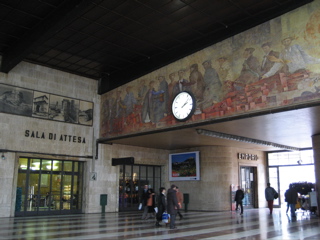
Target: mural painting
{"x": 273, "y": 65}
{"x": 16, "y": 100}
{"x": 26, "y": 102}
{"x": 63, "y": 109}
{"x": 40, "y": 105}
{"x": 86, "y": 113}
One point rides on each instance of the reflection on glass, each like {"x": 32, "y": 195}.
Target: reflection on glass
{"x": 43, "y": 186}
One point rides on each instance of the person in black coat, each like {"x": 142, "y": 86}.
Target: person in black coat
{"x": 172, "y": 205}
{"x": 161, "y": 206}
{"x": 291, "y": 196}
{"x": 238, "y": 199}
{"x": 144, "y": 199}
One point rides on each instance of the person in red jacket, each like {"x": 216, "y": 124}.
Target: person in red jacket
{"x": 180, "y": 201}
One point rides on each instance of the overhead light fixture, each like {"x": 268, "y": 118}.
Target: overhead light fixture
{"x": 244, "y": 139}
{"x": 3, "y": 157}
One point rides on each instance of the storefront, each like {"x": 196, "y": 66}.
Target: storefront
{"x": 48, "y": 186}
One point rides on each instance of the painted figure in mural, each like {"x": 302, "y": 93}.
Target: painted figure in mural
{"x": 142, "y": 90}
{"x": 212, "y": 91}
{"x": 226, "y": 76}
{"x": 250, "y": 70}
{"x": 182, "y": 84}
{"x": 197, "y": 81}
{"x": 161, "y": 106}
{"x": 293, "y": 57}
{"x": 119, "y": 106}
{"x": 224, "y": 70}
{"x": 149, "y": 103}
{"x": 269, "y": 59}
{"x": 171, "y": 92}
{"x": 129, "y": 101}
{"x": 109, "y": 112}
{"x": 119, "y": 111}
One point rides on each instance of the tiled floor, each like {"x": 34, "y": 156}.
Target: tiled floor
{"x": 254, "y": 224}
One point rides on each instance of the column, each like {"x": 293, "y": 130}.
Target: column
{"x": 316, "y": 156}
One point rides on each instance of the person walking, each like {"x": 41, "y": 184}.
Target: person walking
{"x": 151, "y": 203}
{"x": 144, "y": 199}
{"x": 291, "y": 196}
{"x": 172, "y": 205}
{"x": 238, "y": 199}
{"x": 270, "y": 194}
{"x": 161, "y": 206}
{"x": 180, "y": 201}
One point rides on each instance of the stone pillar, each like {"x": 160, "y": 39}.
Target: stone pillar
{"x": 316, "y": 156}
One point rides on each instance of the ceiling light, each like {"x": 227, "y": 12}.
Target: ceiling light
{"x": 244, "y": 139}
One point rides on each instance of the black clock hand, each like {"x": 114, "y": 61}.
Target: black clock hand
{"x": 184, "y": 104}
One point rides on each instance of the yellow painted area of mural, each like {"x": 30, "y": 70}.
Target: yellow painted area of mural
{"x": 271, "y": 66}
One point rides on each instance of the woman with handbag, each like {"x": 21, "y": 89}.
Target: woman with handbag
{"x": 150, "y": 203}
{"x": 161, "y": 206}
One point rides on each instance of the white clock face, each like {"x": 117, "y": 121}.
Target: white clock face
{"x": 183, "y": 106}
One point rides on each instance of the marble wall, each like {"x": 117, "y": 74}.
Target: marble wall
{"x": 15, "y": 141}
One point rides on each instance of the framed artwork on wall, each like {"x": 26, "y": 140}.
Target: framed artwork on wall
{"x": 40, "y": 104}
{"x": 184, "y": 166}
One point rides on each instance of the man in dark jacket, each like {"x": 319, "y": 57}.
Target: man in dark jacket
{"x": 238, "y": 199}
{"x": 291, "y": 196}
{"x": 144, "y": 199}
{"x": 172, "y": 205}
{"x": 161, "y": 206}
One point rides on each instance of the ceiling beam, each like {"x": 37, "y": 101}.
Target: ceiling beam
{"x": 119, "y": 78}
{"x": 57, "y": 20}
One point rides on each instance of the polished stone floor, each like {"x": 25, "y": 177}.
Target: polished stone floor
{"x": 253, "y": 224}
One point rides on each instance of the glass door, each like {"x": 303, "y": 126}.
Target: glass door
{"x": 48, "y": 187}
{"x": 274, "y": 182}
{"x": 248, "y": 185}
{"x": 132, "y": 179}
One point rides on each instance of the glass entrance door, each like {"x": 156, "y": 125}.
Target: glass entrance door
{"x": 132, "y": 179}
{"x": 274, "y": 182}
{"x": 48, "y": 187}
{"x": 248, "y": 184}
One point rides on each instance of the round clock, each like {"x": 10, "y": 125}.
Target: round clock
{"x": 183, "y": 106}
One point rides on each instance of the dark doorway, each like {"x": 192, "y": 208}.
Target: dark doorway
{"x": 131, "y": 183}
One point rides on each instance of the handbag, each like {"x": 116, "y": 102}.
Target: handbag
{"x": 165, "y": 217}
{"x": 276, "y": 195}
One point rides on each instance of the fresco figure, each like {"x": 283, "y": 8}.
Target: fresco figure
{"x": 171, "y": 92}
{"x": 129, "y": 101}
{"x": 149, "y": 103}
{"x": 250, "y": 70}
{"x": 142, "y": 90}
{"x": 212, "y": 91}
{"x": 224, "y": 70}
{"x": 161, "y": 106}
{"x": 226, "y": 76}
{"x": 269, "y": 59}
{"x": 292, "y": 56}
{"x": 119, "y": 112}
{"x": 182, "y": 84}
{"x": 109, "y": 113}
{"x": 197, "y": 82}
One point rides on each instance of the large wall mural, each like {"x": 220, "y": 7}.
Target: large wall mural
{"x": 31, "y": 103}
{"x": 274, "y": 65}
